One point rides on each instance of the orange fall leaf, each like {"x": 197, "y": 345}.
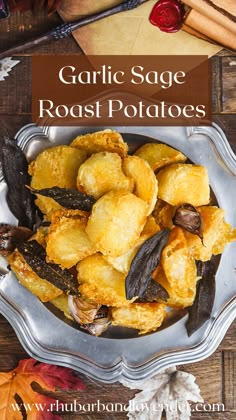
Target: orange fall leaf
{"x": 38, "y": 406}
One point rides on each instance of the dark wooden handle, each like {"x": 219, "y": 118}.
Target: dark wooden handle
{"x": 66, "y": 29}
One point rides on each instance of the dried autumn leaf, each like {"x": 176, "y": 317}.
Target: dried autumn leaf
{"x": 169, "y": 390}
{"x": 18, "y": 382}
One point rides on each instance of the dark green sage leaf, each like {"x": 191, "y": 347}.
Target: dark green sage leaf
{"x": 154, "y": 292}
{"x": 144, "y": 263}
{"x": 201, "y": 309}
{"x": 68, "y": 198}
{"x": 15, "y": 172}
{"x": 35, "y": 256}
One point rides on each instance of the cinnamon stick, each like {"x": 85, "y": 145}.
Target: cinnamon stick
{"x": 193, "y": 31}
{"x": 222, "y": 12}
{"x": 211, "y": 29}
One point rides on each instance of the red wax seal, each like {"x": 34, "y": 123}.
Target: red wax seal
{"x": 167, "y": 15}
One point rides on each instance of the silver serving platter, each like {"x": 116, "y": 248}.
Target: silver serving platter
{"x": 118, "y": 355}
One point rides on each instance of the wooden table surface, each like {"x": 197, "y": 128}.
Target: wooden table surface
{"x": 216, "y": 375}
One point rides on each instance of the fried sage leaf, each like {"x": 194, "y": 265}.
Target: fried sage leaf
{"x": 187, "y": 217}
{"x": 154, "y": 292}
{"x": 144, "y": 263}
{"x": 11, "y": 236}
{"x": 35, "y": 256}
{"x": 201, "y": 309}
{"x": 68, "y": 198}
{"x": 15, "y": 172}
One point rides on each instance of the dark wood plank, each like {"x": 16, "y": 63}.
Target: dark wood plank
{"x": 229, "y": 379}
{"x": 228, "y": 124}
{"x": 214, "y": 416}
{"x": 229, "y": 342}
{"x": 216, "y": 84}
{"x": 15, "y": 90}
{"x": 22, "y": 27}
{"x": 229, "y": 84}
{"x": 213, "y": 393}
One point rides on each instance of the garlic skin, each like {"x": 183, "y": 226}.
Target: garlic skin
{"x": 187, "y": 217}
{"x": 91, "y": 316}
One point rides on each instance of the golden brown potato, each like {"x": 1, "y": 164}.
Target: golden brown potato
{"x": 184, "y": 183}
{"x": 101, "y": 141}
{"x": 145, "y": 317}
{"x": 216, "y": 234}
{"x": 163, "y": 214}
{"x": 101, "y": 173}
{"x": 150, "y": 228}
{"x": 175, "y": 300}
{"x": 178, "y": 265}
{"x": 57, "y": 166}
{"x": 41, "y": 288}
{"x": 116, "y": 222}
{"x": 100, "y": 282}
{"x": 159, "y": 155}
{"x": 145, "y": 183}
{"x": 67, "y": 242}
{"x": 227, "y": 234}
{"x": 122, "y": 263}
{"x": 61, "y": 302}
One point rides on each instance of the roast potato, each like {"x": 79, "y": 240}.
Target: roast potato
{"x": 159, "y": 155}
{"x": 101, "y": 141}
{"x": 57, "y": 166}
{"x": 164, "y": 214}
{"x": 61, "y": 303}
{"x": 123, "y": 262}
{"x": 100, "y": 282}
{"x": 101, "y": 173}
{"x": 216, "y": 234}
{"x": 116, "y": 222}
{"x": 175, "y": 300}
{"x": 184, "y": 183}
{"x": 145, "y": 183}
{"x": 179, "y": 265}
{"x": 67, "y": 242}
{"x": 41, "y": 288}
{"x": 145, "y": 317}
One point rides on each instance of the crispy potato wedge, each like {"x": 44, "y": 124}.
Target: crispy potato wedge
{"x": 67, "y": 242}
{"x": 145, "y": 317}
{"x": 41, "y": 288}
{"x": 180, "y": 300}
{"x": 116, "y": 222}
{"x": 61, "y": 302}
{"x": 184, "y": 183}
{"x": 227, "y": 235}
{"x": 216, "y": 234}
{"x": 101, "y": 141}
{"x": 101, "y": 173}
{"x": 57, "y": 166}
{"x": 163, "y": 215}
{"x": 122, "y": 263}
{"x": 159, "y": 155}
{"x": 145, "y": 182}
{"x": 100, "y": 282}
{"x": 179, "y": 265}
{"x": 150, "y": 228}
